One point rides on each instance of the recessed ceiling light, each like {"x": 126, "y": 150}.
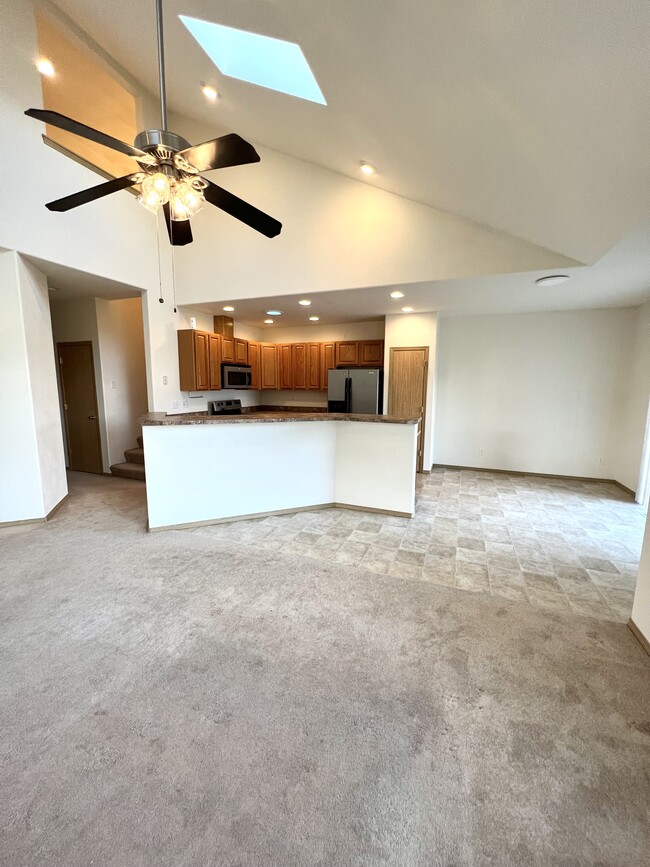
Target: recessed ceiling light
{"x": 407, "y": 310}
{"x": 228, "y": 309}
{"x": 45, "y": 67}
{"x": 305, "y": 303}
{"x": 274, "y": 313}
{"x": 209, "y": 92}
{"x": 268, "y": 322}
{"x": 367, "y": 168}
{"x": 258, "y": 59}
{"x": 314, "y": 318}
{"x": 552, "y": 280}
{"x": 397, "y": 294}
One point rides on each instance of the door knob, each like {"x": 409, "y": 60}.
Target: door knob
{"x": 91, "y": 417}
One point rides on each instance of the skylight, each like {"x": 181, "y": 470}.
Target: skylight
{"x": 262, "y": 60}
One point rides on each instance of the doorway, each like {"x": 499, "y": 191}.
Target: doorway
{"x": 77, "y": 376}
{"x": 407, "y": 387}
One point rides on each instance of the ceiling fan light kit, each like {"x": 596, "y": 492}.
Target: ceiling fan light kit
{"x": 170, "y": 169}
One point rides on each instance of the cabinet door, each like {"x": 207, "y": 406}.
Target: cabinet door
{"x": 202, "y": 360}
{"x": 371, "y": 352}
{"x": 347, "y": 352}
{"x": 284, "y": 363}
{"x": 241, "y": 351}
{"x": 269, "y": 366}
{"x": 254, "y": 361}
{"x": 327, "y": 361}
{"x": 299, "y": 365}
{"x": 214, "y": 352}
{"x": 228, "y": 349}
{"x": 313, "y": 366}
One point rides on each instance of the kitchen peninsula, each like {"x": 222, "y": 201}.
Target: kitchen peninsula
{"x": 203, "y": 469}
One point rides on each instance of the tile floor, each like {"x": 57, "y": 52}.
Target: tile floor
{"x": 552, "y": 543}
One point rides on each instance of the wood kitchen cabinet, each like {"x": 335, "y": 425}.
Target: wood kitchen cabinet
{"x": 314, "y": 381}
{"x": 285, "y": 365}
{"x": 241, "y": 351}
{"x": 214, "y": 356}
{"x": 194, "y": 360}
{"x": 327, "y": 361}
{"x": 347, "y": 353}
{"x": 269, "y": 366}
{"x": 371, "y": 353}
{"x": 228, "y": 349}
{"x": 299, "y": 365}
{"x": 254, "y": 361}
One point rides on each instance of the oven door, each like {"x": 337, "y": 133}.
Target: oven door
{"x": 235, "y": 377}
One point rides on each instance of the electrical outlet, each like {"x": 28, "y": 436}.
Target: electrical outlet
{"x": 113, "y": 383}
{"x": 601, "y": 460}
{"x": 481, "y": 451}
{"x": 174, "y": 404}
{"x": 186, "y": 403}
{"x": 164, "y": 380}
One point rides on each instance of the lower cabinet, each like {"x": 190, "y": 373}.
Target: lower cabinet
{"x": 269, "y": 366}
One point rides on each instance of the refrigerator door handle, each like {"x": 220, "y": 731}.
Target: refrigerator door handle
{"x": 348, "y": 394}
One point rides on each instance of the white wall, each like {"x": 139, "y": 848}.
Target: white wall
{"x": 122, "y": 369}
{"x": 630, "y": 432}
{"x": 539, "y": 392}
{"x": 32, "y": 467}
{"x": 415, "y": 329}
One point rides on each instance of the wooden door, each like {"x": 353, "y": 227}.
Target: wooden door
{"x": 241, "y": 351}
{"x": 371, "y": 352}
{"x": 269, "y": 366}
{"x": 214, "y": 353}
{"x": 327, "y": 361}
{"x": 77, "y": 372}
{"x": 313, "y": 366}
{"x": 228, "y": 349}
{"x": 202, "y": 360}
{"x": 299, "y": 365}
{"x": 285, "y": 365}
{"x": 407, "y": 386}
{"x": 347, "y": 352}
{"x": 254, "y": 361}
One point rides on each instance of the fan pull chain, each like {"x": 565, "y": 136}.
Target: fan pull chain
{"x": 161, "y": 299}
{"x": 174, "y": 278}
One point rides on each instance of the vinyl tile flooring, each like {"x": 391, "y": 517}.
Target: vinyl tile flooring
{"x": 551, "y": 543}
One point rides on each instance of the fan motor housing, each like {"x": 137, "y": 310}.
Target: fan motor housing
{"x": 151, "y": 139}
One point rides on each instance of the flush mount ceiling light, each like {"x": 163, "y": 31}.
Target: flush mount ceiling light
{"x": 45, "y": 67}
{"x": 552, "y": 280}
{"x": 397, "y": 294}
{"x": 305, "y": 303}
{"x": 168, "y": 168}
{"x": 257, "y": 59}
{"x": 268, "y": 322}
{"x": 314, "y": 318}
{"x": 274, "y": 313}
{"x": 228, "y": 309}
{"x": 209, "y": 92}
{"x": 367, "y": 168}
{"x": 407, "y": 310}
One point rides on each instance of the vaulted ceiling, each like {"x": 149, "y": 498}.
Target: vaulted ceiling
{"x": 529, "y": 116}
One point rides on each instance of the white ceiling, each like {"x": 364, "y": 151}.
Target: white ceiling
{"x": 620, "y": 278}
{"x": 530, "y": 116}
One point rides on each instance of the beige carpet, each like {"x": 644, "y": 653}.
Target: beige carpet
{"x": 170, "y": 699}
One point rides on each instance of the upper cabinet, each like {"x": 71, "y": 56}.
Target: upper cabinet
{"x": 269, "y": 366}
{"x": 347, "y": 352}
{"x": 285, "y": 365}
{"x": 327, "y": 361}
{"x": 299, "y": 365}
{"x": 227, "y": 349}
{"x": 314, "y": 381}
{"x": 214, "y": 355}
{"x": 371, "y": 353}
{"x": 241, "y": 351}
{"x": 194, "y": 360}
{"x": 254, "y": 361}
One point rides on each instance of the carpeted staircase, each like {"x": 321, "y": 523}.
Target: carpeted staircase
{"x": 133, "y": 467}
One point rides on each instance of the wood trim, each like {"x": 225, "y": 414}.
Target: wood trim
{"x": 316, "y": 508}
{"x": 37, "y": 520}
{"x": 536, "y": 475}
{"x": 56, "y": 508}
{"x": 640, "y": 637}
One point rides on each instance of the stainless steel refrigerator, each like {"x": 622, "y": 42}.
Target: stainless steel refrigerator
{"x": 359, "y": 390}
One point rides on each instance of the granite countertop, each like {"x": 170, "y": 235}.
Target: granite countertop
{"x": 161, "y": 418}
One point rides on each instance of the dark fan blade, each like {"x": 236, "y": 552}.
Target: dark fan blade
{"x": 241, "y": 210}
{"x": 66, "y": 123}
{"x": 179, "y": 231}
{"x": 91, "y": 194}
{"x": 229, "y": 150}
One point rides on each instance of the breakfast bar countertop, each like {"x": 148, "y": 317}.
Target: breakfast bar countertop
{"x": 162, "y": 418}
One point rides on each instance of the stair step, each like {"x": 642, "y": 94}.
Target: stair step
{"x": 129, "y": 470}
{"x": 140, "y": 443}
{"x": 134, "y": 456}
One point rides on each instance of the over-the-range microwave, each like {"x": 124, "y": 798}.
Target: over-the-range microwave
{"x": 236, "y": 376}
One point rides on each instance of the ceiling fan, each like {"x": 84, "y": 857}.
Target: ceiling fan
{"x": 170, "y": 169}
